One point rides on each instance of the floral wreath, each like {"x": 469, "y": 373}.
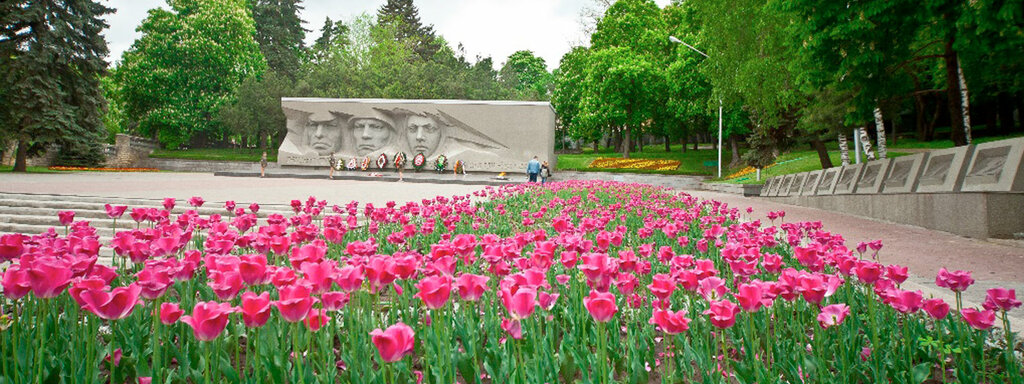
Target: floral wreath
{"x": 460, "y": 167}
{"x": 351, "y": 164}
{"x": 366, "y": 163}
{"x": 382, "y": 161}
{"x": 419, "y": 161}
{"x": 399, "y": 160}
{"x": 441, "y": 163}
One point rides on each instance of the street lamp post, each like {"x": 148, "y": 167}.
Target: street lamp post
{"x": 677, "y": 41}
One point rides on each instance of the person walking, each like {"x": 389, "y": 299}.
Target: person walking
{"x": 533, "y": 169}
{"x": 263, "y": 164}
{"x": 332, "y": 162}
{"x": 545, "y": 172}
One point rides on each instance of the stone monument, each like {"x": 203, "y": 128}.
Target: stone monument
{"x": 496, "y": 136}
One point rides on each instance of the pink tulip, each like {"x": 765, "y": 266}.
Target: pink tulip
{"x": 208, "y": 319}
{"x": 936, "y": 308}
{"x": 153, "y": 283}
{"x": 394, "y": 343}
{"x": 514, "y": 328}
{"x": 434, "y": 291}
{"x": 712, "y": 288}
{"x": 869, "y": 272}
{"x": 907, "y": 301}
{"x": 662, "y": 286}
{"x": 957, "y": 281}
{"x": 670, "y": 322}
{"x": 11, "y": 246}
{"x": 170, "y": 313}
{"x": 16, "y": 282}
{"x": 113, "y": 305}
{"x": 169, "y": 203}
{"x": 1001, "y": 299}
{"x": 334, "y": 300}
{"x": 295, "y": 302}
{"x": 316, "y": 319}
{"x": 471, "y": 287}
{"x": 722, "y": 313}
{"x": 48, "y": 277}
{"x": 980, "y": 320}
{"x": 832, "y": 315}
{"x": 253, "y": 269}
{"x": 66, "y": 217}
{"x": 547, "y": 300}
{"x": 750, "y": 296}
{"x": 255, "y": 309}
{"x": 897, "y": 273}
{"x": 601, "y": 305}
{"x": 521, "y": 303}
{"x": 115, "y": 211}
{"x": 349, "y": 278}
{"x": 196, "y": 201}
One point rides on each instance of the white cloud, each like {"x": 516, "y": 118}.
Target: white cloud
{"x": 494, "y": 28}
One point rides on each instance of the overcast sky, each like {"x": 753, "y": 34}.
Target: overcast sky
{"x": 494, "y": 28}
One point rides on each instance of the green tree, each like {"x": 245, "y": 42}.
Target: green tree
{"x": 52, "y": 55}
{"x": 567, "y": 98}
{"x": 257, "y": 112}
{"x": 185, "y": 66}
{"x": 527, "y": 75}
{"x": 333, "y": 37}
{"x": 279, "y": 33}
{"x": 403, "y": 15}
{"x": 621, "y": 88}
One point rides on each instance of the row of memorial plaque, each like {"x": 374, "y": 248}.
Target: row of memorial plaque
{"x": 996, "y": 166}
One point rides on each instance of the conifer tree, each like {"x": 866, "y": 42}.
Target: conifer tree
{"x": 406, "y": 20}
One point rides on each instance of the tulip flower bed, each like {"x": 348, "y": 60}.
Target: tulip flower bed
{"x": 575, "y": 281}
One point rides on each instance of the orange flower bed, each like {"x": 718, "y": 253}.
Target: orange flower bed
{"x": 63, "y": 168}
{"x": 649, "y": 164}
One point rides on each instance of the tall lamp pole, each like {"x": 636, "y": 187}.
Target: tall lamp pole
{"x": 677, "y": 41}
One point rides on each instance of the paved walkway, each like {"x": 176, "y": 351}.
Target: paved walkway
{"x": 923, "y": 251}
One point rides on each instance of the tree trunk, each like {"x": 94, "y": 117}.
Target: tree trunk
{"x": 625, "y": 143}
{"x": 819, "y": 146}
{"x": 682, "y": 141}
{"x": 953, "y": 96}
{"x": 596, "y": 142}
{"x": 965, "y": 101}
{"x": 734, "y": 145}
{"x": 844, "y": 150}
{"x": 21, "y": 157}
{"x": 696, "y": 141}
{"x": 1005, "y": 111}
{"x": 929, "y": 132}
{"x": 865, "y": 143}
{"x": 880, "y": 127}
{"x": 668, "y": 145}
{"x": 920, "y": 123}
{"x": 640, "y": 143}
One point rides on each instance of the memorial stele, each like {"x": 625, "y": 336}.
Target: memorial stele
{"x": 492, "y": 136}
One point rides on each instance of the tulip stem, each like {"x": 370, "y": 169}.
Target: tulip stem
{"x": 42, "y": 310}
{"x": 297, "y": 352}
{"x": 156, "y": 341}
{"x": 603, "y": 353}
{"x": 1011, "y": 361}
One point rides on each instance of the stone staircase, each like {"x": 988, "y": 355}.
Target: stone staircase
{"x": 32, "y": 214}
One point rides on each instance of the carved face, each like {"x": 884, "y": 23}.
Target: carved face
{"x": 323, "y": 136}
{"x": 370, "y": 135}
{"x": 423, "y": 133}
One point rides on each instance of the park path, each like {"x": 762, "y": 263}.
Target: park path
{"x": 923, "y": 251}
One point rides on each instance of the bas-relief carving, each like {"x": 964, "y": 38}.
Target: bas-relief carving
{"x": 870, "y": 176}
{"x": 899, "y": 174}
{"x": 798, "y": 183}
{"x": 355, "y": 129}
{"x": 809, "y": 185}
{"x": 988, "y": 165}
{"x": 827, "y": 181}
{"x": 937, "y": 169}
{"x": 846, "y": 178}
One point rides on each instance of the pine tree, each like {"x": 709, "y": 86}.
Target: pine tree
{"x": 406, "y": 20}
{"x": 52, "y": 55}
{"x": 280, "y": 34}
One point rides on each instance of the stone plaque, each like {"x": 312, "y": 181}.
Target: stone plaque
{"x": 787, "y": 182}
{"x": 828, "y": 181}
{"x": 768, "y": 185}
{"x": 811, "y": 182}
{"x": 777, "y": 186}
{"x": 498, "y": 136}
{"x": 944, "y": 170}
{"x": 903, "y": 173}
{"x": 846, "y": 182}
{"x": 798, "y": 184}
{"x": 871, "y": 176}
{"x": 996, "y": 167}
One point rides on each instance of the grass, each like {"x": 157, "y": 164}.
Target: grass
{"x": 691, "y": 161}
{"x": 215, "y": 154}
{"x": 946, "y": 143}
{"x": 9, "y": 169}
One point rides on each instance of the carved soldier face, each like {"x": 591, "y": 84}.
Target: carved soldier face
{"x": 323, "y": 136}
{"x": 370, "y": 135}
{"x": 423, "y": 133}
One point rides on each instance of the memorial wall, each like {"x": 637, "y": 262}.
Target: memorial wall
{"x": 494, "y": 136}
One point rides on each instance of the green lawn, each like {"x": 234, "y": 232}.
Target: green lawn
{"x": 794, "y": 162}
{"x": 691, "y": 162}
{"x": 946, "y": 143}
{"x": 221, "y": 154}
{"x": 8, "y": 168}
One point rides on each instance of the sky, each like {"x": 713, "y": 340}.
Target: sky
{"x": 494, "y": 28}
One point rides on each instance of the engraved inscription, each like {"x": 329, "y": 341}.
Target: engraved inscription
{"x": 988, "y": 166}
{"x": 937, "y": 169}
